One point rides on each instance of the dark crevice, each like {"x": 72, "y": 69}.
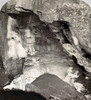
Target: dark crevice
{"x": 26, "y": 10}
{"x": 61, "y": 24}
{"x": 67, "y": 35}
{"x": 1, "y": 63}
{"x": 62, "y": 28}
{"x": 65, "y": 38}
{"x": 20, "y": 14}
{"x": 86, "y": 54}
{"x": 80, "y": 66}
{"x": 82, "y": 77}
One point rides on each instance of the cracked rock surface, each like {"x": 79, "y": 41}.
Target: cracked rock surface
{"x": 46, "y": 36}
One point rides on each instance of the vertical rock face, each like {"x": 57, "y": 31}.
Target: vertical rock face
{"x": 77, "y": 13}
{"x": 46, "y": 36}
{"x": 27, "y": 37}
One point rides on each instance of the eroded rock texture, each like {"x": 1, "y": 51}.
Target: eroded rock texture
{"x": 46, "y": 36}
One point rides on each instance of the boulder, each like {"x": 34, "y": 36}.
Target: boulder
{"x": 53, "y": 88}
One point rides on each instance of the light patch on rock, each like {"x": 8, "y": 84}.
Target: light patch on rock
{"x": 20, "y": 51}
{"x": 10, "y": 87}
{"x": 87, "y": 78}
{"x": 71, "y": 76}
{"x": 12, "y": 51}
{"x": 75, "y": 40}
{"x": 29, "y": 75}
{"x": 30, "y": 42}
{"x": 16, "y": 50}
{"x": 71, "y": 79}
{"x": 11, "y": 23}
{"x": 88, "y": 96}
{"x": 79, "y": 87}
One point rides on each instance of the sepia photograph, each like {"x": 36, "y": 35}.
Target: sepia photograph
{"x": 45, "y": 50}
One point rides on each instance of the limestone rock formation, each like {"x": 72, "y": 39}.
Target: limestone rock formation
{"x": 46, "y": 36}
{"x": 76, "y": 13}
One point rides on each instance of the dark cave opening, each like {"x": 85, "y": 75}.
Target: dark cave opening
{"x": 86, "y": 54}
{"x": 61, "y": 24}
{"x": 20, "y": 95}
{"x": 62, "y": 28}
{"x": 65, "y": 38}
{"x": 80, "y": 66}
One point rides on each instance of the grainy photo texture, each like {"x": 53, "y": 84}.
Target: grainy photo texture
{"x": 45, "y": 50}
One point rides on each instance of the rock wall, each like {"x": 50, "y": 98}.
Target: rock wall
{"x": 77, "y": 13}
{"x": 50, "y": 36}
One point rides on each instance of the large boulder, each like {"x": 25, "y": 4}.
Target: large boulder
{"x": 53, "y": 88}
